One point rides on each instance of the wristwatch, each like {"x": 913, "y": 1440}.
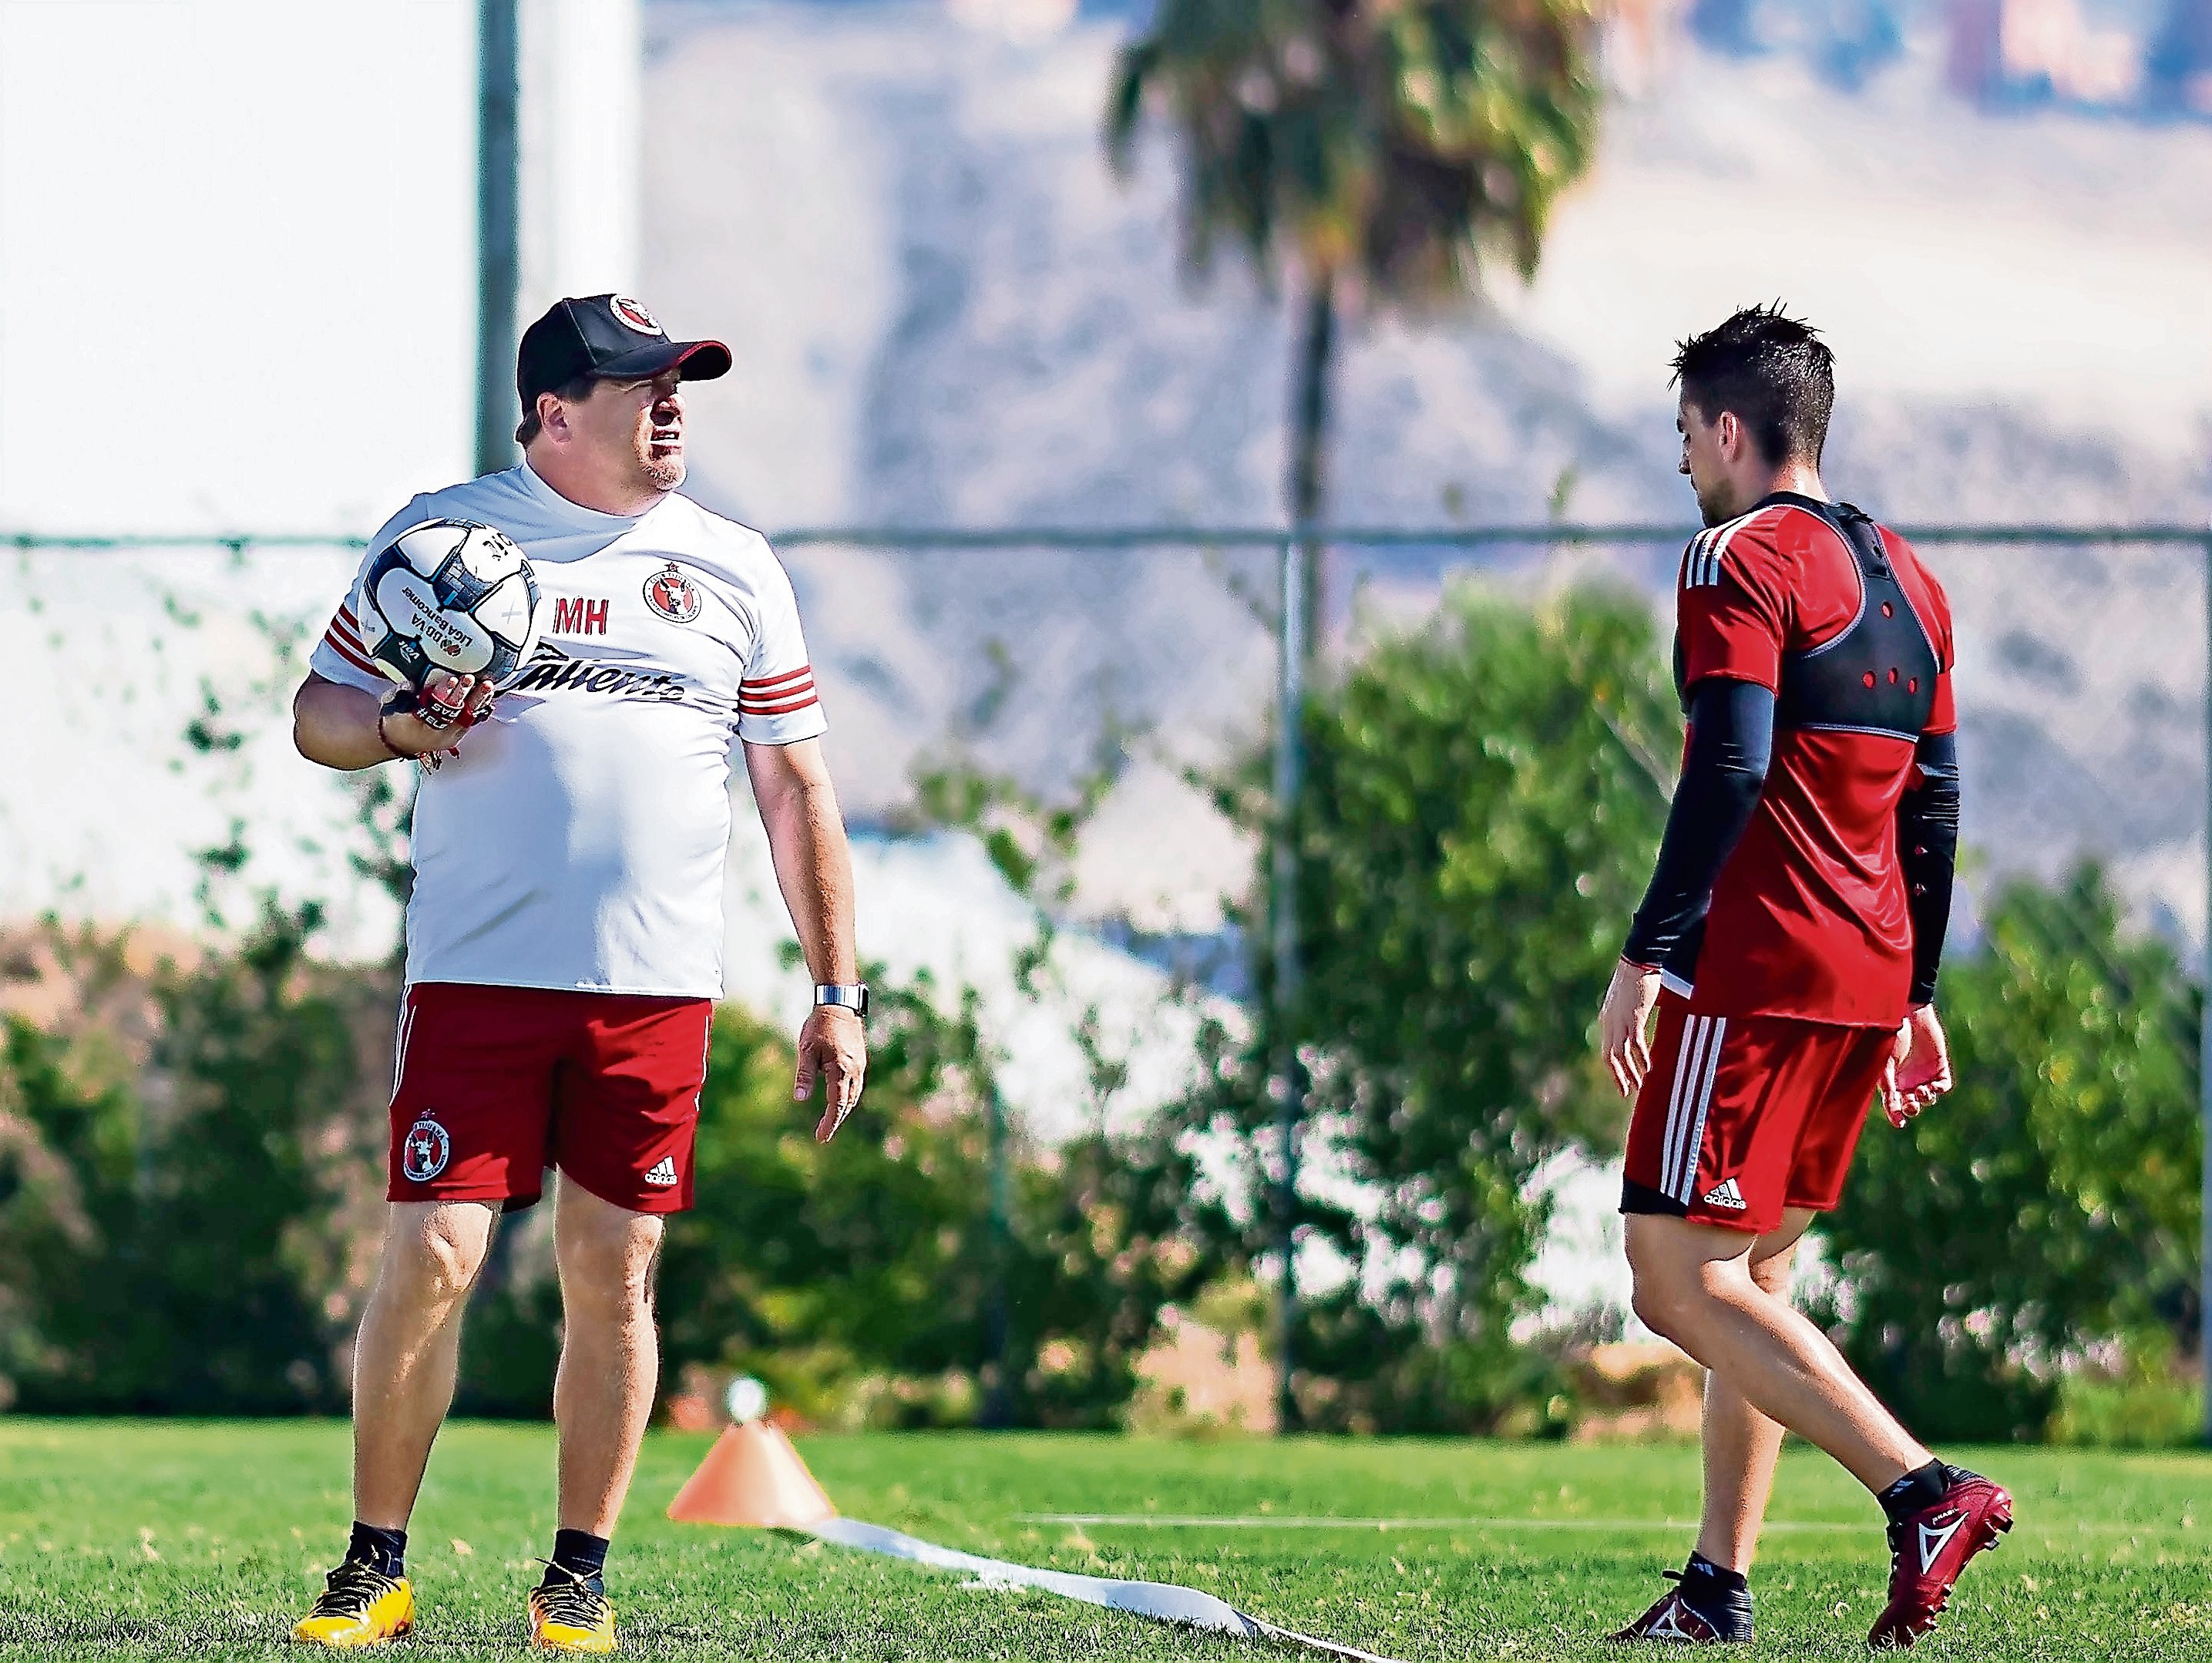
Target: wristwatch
{"x": 845, "y": 996}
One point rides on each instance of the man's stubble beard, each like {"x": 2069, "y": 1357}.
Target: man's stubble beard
{"x": 663, "y": 475}
{"x": 1710, "y": 505}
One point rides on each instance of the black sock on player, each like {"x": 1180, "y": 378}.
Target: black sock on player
{"x": 582, "y": 1556}
{"x": 1923, "y": 1487}
{"x": 1702, "y": 1576}
{"x": 383, "y": 1551}
{"x": 1720, "y": 1596}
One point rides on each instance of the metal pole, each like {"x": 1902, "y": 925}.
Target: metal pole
{"x": 2204, "y": 1047}
{"x": 998, "y": 1409}
{"x": 499, "y": 97}
{"x": 1289, "y": 771}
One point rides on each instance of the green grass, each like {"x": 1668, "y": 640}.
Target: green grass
{"x": 133, "y": 1539}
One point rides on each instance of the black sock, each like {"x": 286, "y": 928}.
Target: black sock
{"x": 382, "y": 1551}
{"x": 1701, "y": 1573}
{"x": 1720, "y": 1596}
{"x": 581, "y": 1554}
{"x": 1924, "y": 1486}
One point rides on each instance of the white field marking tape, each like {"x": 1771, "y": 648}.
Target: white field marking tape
{"x": 1165, "y": 1602}
{"x": 1324, "y": 1522}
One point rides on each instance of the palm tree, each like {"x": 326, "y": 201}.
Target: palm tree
{"x": 1382, "y": 150}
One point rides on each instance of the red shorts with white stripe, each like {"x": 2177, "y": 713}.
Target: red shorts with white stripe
{"x": 493, "y": 1085}
{"x": 1742, "y": 1117}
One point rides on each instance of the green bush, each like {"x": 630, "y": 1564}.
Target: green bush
{"x": 173, "y": 1181}
{"x": 1484, "y": 798}
{"x": 861, "y": 1278}
{"x": 2044, "y": 1214}
{"x": 2148, "y": 1405}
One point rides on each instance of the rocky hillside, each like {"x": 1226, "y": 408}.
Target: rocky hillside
{"x": 946, "y": 312}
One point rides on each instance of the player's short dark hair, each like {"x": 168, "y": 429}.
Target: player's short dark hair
{"x": 1776, "y": 373}
{"x": 571, "y": 392}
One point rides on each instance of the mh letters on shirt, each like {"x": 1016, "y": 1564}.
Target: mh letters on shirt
{"x": 577, "y": 616}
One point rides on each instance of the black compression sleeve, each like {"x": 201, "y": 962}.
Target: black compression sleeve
{"x": 1731, "y": 742}
{"x": 1928, "y": 841}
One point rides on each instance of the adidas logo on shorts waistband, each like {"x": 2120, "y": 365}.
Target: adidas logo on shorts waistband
{"x": 1726, "y": 1194}
{"x": 664, "y": 1173}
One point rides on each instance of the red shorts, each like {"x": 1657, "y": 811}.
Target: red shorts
{"x": 493, "y": 1085}
{"x": 1741, "y": 1117}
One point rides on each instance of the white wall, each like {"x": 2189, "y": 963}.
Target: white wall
{"x": 238, "y": 245}
{"x": 238, "y": 292}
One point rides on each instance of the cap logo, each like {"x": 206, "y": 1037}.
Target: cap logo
{"x": 632, "y": 314}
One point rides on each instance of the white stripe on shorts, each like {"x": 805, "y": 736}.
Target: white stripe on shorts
{"x": 1688, "y": 1178}
{"x": 1685, "y": 1070}
{"x": 406, "y": 1032}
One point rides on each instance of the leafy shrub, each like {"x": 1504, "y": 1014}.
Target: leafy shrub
{"x": 175, "y": 1173}
{"x": 2045, "y": 1213}
{"x": 1484, "y": 798}
{"x": 863, "y": 1278}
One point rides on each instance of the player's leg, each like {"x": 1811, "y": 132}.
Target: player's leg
{"x": 1741, "y": 1445}
{"x": 622, "y": 1139}
{"x": 1940, "y": 1516}
{"x": 1709, "y": 1603}
{"x": 470, "y": 1108}
{"x": 1712, "y": 1150}
{"x": 407, "y": 1357}
{"x": 610, "y": 1353}
{"x": 1694, "y": 1285}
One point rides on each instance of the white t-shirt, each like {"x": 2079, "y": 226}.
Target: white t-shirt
{"x": 577, "y": 839}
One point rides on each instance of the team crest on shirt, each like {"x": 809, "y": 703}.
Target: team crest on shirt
{"x": 672, "y": 595}
{"x": 424, "y": 1151}
{"x": 632, "y": 314}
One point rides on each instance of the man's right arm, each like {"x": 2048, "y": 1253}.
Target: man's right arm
{"x": 345, "y": 727}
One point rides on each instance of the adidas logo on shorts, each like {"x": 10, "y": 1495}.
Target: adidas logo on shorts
{"x": 1725, "y": 1195}
{"x": 664, "y": 1173}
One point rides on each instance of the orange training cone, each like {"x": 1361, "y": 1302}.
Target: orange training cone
{"x": 752, "y": 1476}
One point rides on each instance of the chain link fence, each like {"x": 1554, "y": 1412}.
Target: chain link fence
{"x": 1128, "y": 671}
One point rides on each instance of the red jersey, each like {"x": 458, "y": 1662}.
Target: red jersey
{"x": 1808, "y": 917}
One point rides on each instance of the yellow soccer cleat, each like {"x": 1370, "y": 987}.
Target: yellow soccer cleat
{"x": 359, "y": 1608}
{"x": 567, "y": 1614}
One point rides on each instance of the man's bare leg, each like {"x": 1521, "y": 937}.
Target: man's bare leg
{"x": 610, "y": 1353}
{"x": 409, "y": 1350}
{"x": 1693, "y": 1284}
{"x": 1741, "y": 1445}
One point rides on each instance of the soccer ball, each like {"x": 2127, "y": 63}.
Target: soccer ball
{"x": 448, "y": 594}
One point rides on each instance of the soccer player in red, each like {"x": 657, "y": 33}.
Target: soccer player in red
{"x": 1788, "y": 946}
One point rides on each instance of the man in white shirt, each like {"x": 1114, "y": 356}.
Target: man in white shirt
{"x": 564, "y": 933}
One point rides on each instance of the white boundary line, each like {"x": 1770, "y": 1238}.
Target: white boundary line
{"x": 1323, "y": 1521}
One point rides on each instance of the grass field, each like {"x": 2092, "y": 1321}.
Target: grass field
{"x": 133, "y": 1539}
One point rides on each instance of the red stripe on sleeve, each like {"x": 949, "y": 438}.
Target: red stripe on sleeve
{"x": 782, "y": 709}
{"x": 796, "y": 690}
{"x": 770, "y": 685}
{"x": 352, "y": 655}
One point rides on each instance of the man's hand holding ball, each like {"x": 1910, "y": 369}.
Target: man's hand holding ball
{"x": 432, "y": 721}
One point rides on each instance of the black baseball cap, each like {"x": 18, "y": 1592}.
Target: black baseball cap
{"x": 607, "y": 338}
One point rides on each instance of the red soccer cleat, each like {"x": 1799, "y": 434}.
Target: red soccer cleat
{"x": 1929, "y": 1550}
{"x": 1675, "y": 1621}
